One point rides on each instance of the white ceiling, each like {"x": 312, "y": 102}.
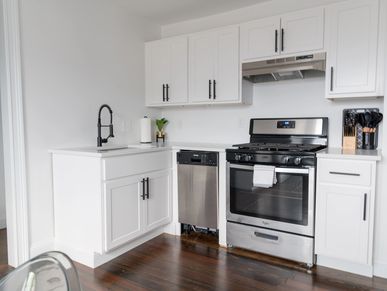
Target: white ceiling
{"x": 172, "y": 11}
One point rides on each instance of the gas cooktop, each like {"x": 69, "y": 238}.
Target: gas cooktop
{"x": 288, "y": 142}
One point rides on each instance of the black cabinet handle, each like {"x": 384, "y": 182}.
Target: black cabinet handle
{"x": 167, "y": 87}
{"x": 209, "y": 89}
{"x": 214, "y": 89}
{"x": 276, "y": 41}
{"x": 282, "y": 39}
{"x": 147, "y": 187}
{"x": 365, "y": 207}
{"x": 332, "y": 71}
{"x": 163, "y": 92}
{"x": 143, "y": 189}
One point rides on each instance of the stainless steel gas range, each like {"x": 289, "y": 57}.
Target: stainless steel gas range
{"x": 275, "y": 218}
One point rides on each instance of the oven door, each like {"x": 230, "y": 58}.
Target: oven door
{"x": 287, "y": 206}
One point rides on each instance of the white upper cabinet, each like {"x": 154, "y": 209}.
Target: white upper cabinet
{"x": 214, "y": 69}
{"x": 352, "y": 59}
{"x": 288, "y": 34}
{"x": 302, "y": 31}
{"x": 202, "y": 57}
{"x": 260, "y": 39}
{"x": 166, "y": 66}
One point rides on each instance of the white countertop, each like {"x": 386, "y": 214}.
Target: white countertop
{"x": 138, "y": 148}
{"x": 339, "y": 153}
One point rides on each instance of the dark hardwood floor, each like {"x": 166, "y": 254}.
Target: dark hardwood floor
{"x": 172, "y": 263}
{"x": 4, "y": 268}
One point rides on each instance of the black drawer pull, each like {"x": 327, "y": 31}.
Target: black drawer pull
{"x": 266, "y": 236}
{"x": 345, "y": 174}
{"x": 365, "y": 207}
{"x": 147, "y": 188}
{"x": 214, "y": 89}
{"x": 209, "y": 89}
{"x": 143, "y": 189}
{"x": 167, "y": 89}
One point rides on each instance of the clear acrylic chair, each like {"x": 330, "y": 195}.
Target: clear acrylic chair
{"x": 48, "y": 271}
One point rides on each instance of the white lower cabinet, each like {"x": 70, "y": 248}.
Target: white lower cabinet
{"x": 158, "y": 204}
{"x": 122, "y": 211}
{"x": 345, "y": 214}
{"x": 106, "y": 206}
{"x": 343, "y": 225}
{"x": 135, "y": 205}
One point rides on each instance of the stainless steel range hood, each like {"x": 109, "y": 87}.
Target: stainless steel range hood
{"x": 285, "y": 68}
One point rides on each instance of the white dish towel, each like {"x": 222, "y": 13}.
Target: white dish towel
{"x": 264, "y": 176}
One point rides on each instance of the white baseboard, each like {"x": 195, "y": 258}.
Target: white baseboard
{"x": 94, "y": 260}
{"x": 173, "y": 228}
{"x": 3, "y": 223}
{"x": 360, "y": 269}
{"x": 380, "y": 270}
{"x": 41, "y": 247}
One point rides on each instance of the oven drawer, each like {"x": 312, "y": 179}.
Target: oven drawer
{"x": 344, "y": 172}
{"x": 275, "y": 243}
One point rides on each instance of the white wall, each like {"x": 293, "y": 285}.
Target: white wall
{"x": 77, "y": 55}
{"x": 229, "y": 124}
{"x": 2, "y": 182}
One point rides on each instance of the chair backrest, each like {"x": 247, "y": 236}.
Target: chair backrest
{"x": 48, "y": 271}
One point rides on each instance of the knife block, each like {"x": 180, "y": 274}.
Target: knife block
{"x": 356, "y": 142}
{"x": 349, "y": 142}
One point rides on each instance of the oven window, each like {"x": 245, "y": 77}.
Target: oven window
{"x": 286, "y": 201}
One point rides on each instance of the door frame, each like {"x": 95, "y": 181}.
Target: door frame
{"x": 13, "y": 133}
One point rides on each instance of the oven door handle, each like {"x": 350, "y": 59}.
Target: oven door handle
{"x": 277, "y": 170}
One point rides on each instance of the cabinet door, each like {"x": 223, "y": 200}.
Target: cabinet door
{"x": 227, "y": 73}
{"x": 157, "y": 73}
{"x": 178, "y": 71}
{"x": 123, "y": 211}
{"x": 353, "y": 41}
{"x": 260, "y": 39}
{"x": 202, "y": 53}
{"x": 302, "y": 31}
{"x": 342, "y": 222}
{"x": 158, "y": 204}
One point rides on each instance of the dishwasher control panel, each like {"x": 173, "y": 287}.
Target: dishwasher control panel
{"x": 197, "y": 158}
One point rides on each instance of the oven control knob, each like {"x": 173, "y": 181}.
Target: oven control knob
{"x": 297, "y": 161}
{"x": 247, "y": 158}
{"x": 237, "y": 157}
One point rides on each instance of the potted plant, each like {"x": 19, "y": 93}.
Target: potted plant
{"x": 161, "y": 123}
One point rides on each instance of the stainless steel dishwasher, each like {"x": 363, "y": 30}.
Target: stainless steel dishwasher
{"x": 198, "y": 188}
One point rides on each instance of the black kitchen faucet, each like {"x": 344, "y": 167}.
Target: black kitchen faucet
{"x": 101, "y": 140}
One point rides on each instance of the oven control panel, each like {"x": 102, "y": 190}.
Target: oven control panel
{"x": 271, "y": 159}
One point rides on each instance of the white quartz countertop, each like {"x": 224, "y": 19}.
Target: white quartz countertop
{"x": 339, "y": 153}
{"x": 131, "y": 149}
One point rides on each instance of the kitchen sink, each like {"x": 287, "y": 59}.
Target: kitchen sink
{"x": 103, "y": 150}
{"x": 109, "y": 149}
